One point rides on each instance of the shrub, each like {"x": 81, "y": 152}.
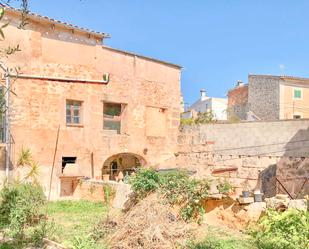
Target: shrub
{"x": 20, "y": 205}
{"x": 144, "y": 181}
{"x": 224, "y": 187}
{"x": 178, "y": 188}
{"x": 287, "y": 230}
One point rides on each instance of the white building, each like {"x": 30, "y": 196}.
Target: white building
{"x": 217, "y": 106}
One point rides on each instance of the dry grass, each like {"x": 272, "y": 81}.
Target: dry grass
{"x": 151, "y": 224}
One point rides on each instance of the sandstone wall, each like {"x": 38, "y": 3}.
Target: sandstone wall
{"x": 38, "y": 107}
{"x": 249, "y": 154}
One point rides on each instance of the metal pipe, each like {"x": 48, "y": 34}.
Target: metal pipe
{"x": 52, "y": 78}
{"x": 7, "y": 124}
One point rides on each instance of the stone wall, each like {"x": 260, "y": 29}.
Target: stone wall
{"x": 264, "y": 96}
{"x": 238, "y": 102}
{"x": 249, "y": 154}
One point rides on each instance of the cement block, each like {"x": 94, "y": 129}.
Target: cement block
{"x": 245, "y": 200}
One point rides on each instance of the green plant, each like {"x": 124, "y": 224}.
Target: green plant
{"x": 186, "y": 121}
{"x": 286, "y": 230}
{"x": 92, "y": 188}
{"x": 205, "y": 117}
{"x": 178, "y": 188}
{"x": 144, "y": 181}
{"x": 224, "y": 187}
{"x": 25, "y": 159}
{"x": 109, "y": 193}
{"x": 20, "y": 206}
{"x": 84, "y": 242}
{"x": 221, "y": 243}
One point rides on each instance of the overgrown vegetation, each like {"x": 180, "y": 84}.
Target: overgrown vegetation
{"x": 202, "y": 118}
{"x": 224, "y": 187}
{"x": 21, "y": 213}
{"x": 283, "y": 230}
{"x": 176, "y": 187}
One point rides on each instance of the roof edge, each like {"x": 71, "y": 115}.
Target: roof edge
{"x": 33, "y": 15}
{"x": 142, "y": 56}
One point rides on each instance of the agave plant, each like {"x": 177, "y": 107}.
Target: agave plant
{"x": 25, "y": 159}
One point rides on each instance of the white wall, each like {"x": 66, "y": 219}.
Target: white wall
{"x": 218, "y": 107}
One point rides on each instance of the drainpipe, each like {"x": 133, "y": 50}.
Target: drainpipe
{"x": 7, "y": 124}
{"x": 105, "y": 79}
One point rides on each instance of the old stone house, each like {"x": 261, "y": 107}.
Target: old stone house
{"x": 268, "y": 97}
{"x": 115, "y": 110}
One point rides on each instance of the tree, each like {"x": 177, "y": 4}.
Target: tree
{"x": 205, "y": 117}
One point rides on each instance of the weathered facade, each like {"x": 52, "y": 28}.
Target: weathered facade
{"x": 238, "y": 102}
{"x": 107, "y": 103}
{"x": 271, "y": 98}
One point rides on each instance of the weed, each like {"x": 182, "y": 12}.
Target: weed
{"x": 287, "y": 230}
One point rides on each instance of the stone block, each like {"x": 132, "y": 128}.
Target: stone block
{"x": 298, "y": 204}
{"x": 245, "y": 200}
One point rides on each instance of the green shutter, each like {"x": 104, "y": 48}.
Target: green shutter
{"x": 297, "y": 94}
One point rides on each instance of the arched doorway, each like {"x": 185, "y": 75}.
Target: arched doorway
{"x": 126, "y": 163}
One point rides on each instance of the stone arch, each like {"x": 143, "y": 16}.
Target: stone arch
{"x": 127, "y": 163}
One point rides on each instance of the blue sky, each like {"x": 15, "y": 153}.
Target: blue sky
{"x": 217, "y": 42}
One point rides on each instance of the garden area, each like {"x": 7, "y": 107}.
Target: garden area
{"x": 165, "y": 210}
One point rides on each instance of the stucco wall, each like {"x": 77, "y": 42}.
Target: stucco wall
{"x": 264, "y": 96}
{"x": 38, "y": 106}
{"x": 291, "y": 106}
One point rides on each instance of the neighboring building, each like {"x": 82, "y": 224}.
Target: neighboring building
{"x": 273, "y": 98}
{"x": 116, "y": 110}
{"x": 218, "y": 107}
{"x": 238, "y": 102}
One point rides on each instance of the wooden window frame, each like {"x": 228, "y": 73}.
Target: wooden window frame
{"x": 114, "y": 118}
{"x": 71, "y": 102}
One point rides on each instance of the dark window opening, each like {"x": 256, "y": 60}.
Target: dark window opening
{"x": 296, "y": 116}
{"x": 67, "y": 159}
{"x": 112, "y": 117}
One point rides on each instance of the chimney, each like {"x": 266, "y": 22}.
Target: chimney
{"x": 203, "y": 94}
{"x": 239, "y": 83}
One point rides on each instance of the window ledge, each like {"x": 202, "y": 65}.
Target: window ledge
{"x": 75, "y": 125}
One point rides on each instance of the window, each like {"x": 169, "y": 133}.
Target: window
{"x": 67, "y": 159}
{"x": 297, "y": 116}
{"x": 73, "y": 112}
{"x": 112, "y": 117}
{"x": 297, "y": 93}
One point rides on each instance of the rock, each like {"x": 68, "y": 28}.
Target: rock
{"x": 298, "y": 204}
{"x": 277, "y": 204}
{"x": 123, "y": 193}
{"x": 282, "y": 197}
{"x": 254, "y": 210}
{"x": 245, "y": 200}
{"x": 213, "y": 188}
